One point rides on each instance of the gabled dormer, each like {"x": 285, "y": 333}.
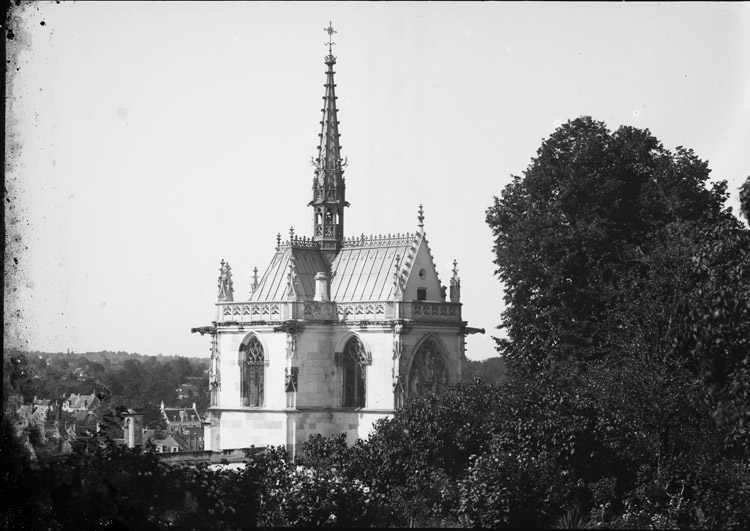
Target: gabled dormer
{"x": 421, "y": 281}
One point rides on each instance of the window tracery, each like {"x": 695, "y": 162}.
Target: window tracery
{"x": 252, "y": 363}
{"x": 428, "y": 373}
{"x": 354, "y": 363}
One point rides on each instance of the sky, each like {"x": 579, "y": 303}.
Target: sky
{"x": 147, "y": 141}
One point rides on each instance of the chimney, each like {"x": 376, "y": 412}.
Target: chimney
{"x": 321, "y": 287}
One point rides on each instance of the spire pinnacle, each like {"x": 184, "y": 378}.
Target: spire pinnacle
{"x": 330, "y": 43}
{"x": 420, "y": 217}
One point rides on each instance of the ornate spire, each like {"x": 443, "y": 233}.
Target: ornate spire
{"x": 226, "y": 288}
{"x": 420, "y": 217}
{"x": 329, "y": 198}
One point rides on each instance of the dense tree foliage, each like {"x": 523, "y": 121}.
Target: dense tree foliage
{"x": 628, "y": 295}
{"x": 563, "y": 232}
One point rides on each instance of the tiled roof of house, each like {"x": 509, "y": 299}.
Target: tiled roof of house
{"x": 176, "y": 415}
{"x": 78, "y": 401}
{"x": 80, "y": 418}
{"x": 172, "y": 440}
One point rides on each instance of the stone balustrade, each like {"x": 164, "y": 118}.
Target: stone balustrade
{"x": 418, "y": 311}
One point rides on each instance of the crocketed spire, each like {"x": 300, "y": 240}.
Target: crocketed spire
{"x": 329, "y": 194}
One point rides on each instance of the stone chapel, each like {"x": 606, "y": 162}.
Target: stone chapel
{"x": 338, "y": 332}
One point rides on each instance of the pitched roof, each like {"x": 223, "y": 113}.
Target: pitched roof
{"x": 361, "y": 271}
{"x": 172, "y": 440}
{"x": 273, "y": 284}
{"x": 82, "y": 401}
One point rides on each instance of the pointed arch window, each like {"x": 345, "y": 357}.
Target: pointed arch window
{"x": 354, "y": 363}
{"x": 428, "y": 374}
{"x": 252, "y": 377}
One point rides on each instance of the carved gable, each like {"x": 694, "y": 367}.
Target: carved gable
{"x": 423, "y": 276}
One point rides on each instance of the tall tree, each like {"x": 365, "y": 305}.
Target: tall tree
{"x": 563, "y": 232}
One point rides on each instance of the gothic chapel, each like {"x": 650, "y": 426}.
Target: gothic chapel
{"x": 338, "y": 332}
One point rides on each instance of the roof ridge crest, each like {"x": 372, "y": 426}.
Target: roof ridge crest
{"x": 380, "y": 240}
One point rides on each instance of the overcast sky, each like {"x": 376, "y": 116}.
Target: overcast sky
{"x": 148, "y": 141}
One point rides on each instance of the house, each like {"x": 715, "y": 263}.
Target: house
{"x": 78, "y": 402}
{"x": 185, "y": 422}
{"x": 170, "y": 443}
{"x": 134, "y": 434}
{"x": 44, "y": 406}
{"x": 179, "y": 419}
{"x": 339, "y": 330}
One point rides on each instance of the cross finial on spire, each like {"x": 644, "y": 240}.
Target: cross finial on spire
{"x": 330, "y": 32}
{"x": 420, "y": 217}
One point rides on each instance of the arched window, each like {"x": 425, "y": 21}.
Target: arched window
{"x": 427, "y": 374}
{"x": 252, "y": 364}
{"x": 354, "y": 362}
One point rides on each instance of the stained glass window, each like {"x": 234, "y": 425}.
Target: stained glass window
{"x": 354, "y": 362}
{"x": 252, "y": 367}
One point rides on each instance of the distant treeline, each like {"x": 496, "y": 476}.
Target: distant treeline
{"x": 492, "y": 370}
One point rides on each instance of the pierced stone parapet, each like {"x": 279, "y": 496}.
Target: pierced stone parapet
{"x": 319, "y": 310}
{"x": 250, "y": 311}
{"x": 432, "y": 311}
{"x": 361, "y": 311}
{"x": 370, "y": 311}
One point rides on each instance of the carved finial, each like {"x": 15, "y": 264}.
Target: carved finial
{"x": 420, "y": 217}
{"x": 291, "y": 279}
{"x": 254, "y": 285}
{"x": 291, "y": 234}
{"x": 398, "y": 284}
{"x": 330, "y": 32}
{"x": 278, "y": 240}
{"x": 226, "y": 289}
{"x": 455, "y": 284}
